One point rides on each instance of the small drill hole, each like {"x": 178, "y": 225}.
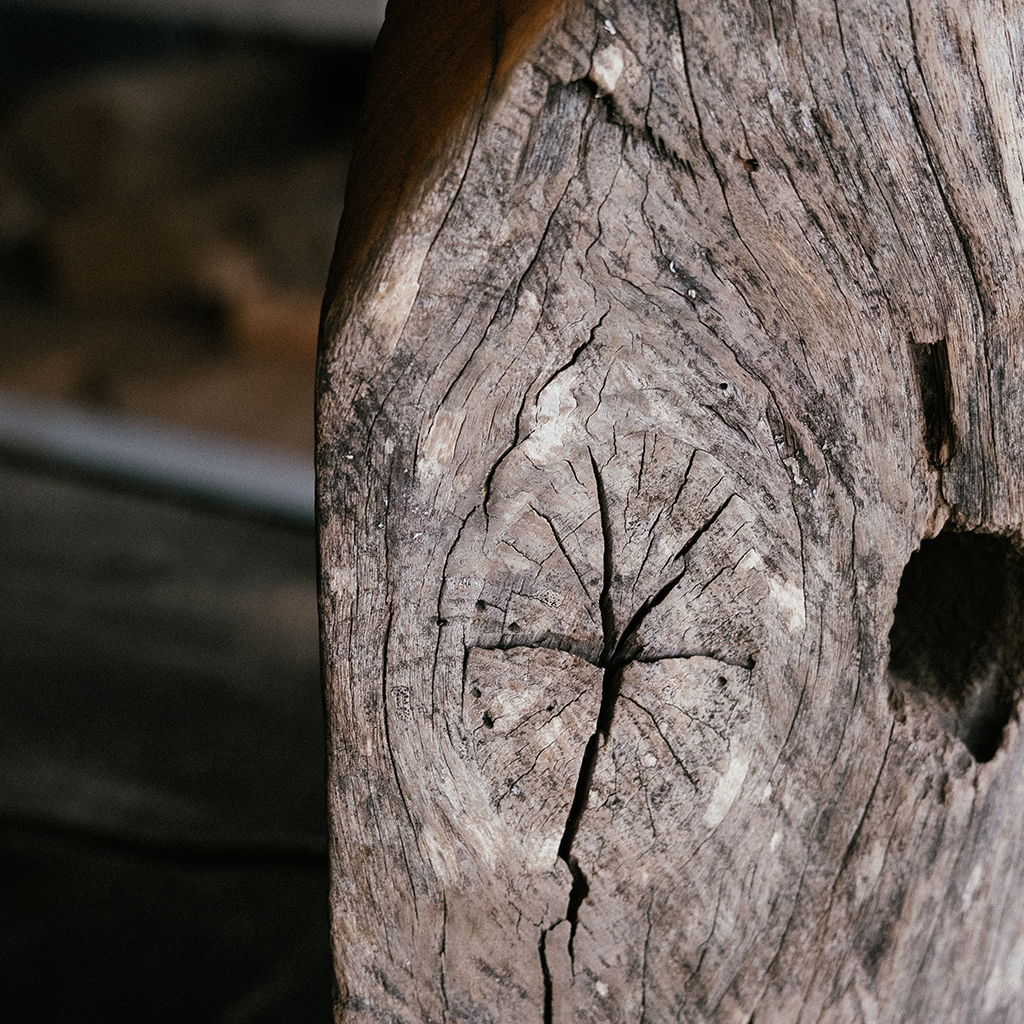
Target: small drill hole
{"x": 956, "y": 647}
{"x": 488, "y": 721}
{"x": 481, "y": 606}
{"x": 476, "y": 692}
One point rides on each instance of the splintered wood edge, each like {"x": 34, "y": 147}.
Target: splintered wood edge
{"x": 433, "y": 63}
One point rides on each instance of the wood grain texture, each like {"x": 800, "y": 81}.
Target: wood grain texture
{"x": 433, "y": 63}
{"x": 704, "y": 323}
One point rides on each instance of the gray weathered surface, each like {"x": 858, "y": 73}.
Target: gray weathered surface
{"x": 626, "y": 436}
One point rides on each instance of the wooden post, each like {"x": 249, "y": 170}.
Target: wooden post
{"x": 671, "y": 490}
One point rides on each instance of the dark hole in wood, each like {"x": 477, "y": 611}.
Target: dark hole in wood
{"x": 488, "y": 721}
{"x": 957, "y": 644}
{"x": 934, "y": 383}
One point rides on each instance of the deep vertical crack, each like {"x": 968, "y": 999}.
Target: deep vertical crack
{"x": 545, "y": 971}
{"x": 580, "y": 888}
{"x": 618, "y": 652}
{"x": 612, "y": 683}
{"x": 604, "y": 602}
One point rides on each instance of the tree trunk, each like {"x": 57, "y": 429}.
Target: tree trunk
{"x": 654, "y": 350}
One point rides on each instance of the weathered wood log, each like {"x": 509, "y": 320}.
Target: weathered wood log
{"x": 670, "y": 466}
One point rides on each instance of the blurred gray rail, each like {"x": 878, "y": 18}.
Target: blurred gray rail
{"x": 133, "y": 450}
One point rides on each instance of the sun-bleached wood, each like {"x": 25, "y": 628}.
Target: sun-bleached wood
{"x": 634, "y": 405}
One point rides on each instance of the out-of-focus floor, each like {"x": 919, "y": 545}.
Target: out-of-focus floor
{"x": 162, "y": 819}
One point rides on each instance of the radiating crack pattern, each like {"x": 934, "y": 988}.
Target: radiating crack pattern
{"x": 617, "y": 653}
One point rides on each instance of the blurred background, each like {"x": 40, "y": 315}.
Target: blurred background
{"x": 171, "y": 178}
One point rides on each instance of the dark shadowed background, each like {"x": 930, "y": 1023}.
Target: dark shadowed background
{"x": 171, "y": 178}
